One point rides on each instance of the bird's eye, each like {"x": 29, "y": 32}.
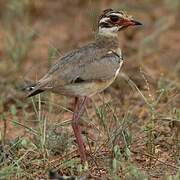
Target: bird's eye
{"x": 114, "y": 18}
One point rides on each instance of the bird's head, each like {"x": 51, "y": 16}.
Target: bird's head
{"x": 111, "y": 21}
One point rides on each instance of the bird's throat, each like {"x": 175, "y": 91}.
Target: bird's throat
{"x": 107, "y": 40}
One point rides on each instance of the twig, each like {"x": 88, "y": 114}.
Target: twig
{"x": 60, "y": 158}
{"x": 26, "y": 127}
{"x": 4, "y": 131}
{"x": 149, "y": 155}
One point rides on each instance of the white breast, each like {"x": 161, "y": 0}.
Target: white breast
{"x": 118, "y": 51}
{"x": 117, "y": 71}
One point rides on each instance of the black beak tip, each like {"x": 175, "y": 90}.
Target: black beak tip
{"x": 137, "y": 23}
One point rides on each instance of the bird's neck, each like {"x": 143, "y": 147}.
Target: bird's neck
{"x": 107, "y": 40}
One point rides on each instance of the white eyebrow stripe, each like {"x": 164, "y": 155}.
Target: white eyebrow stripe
{"x": 116, "y": 14}
{"x": 105, "y": 19}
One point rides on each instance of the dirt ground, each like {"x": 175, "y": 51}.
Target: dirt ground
{"x": 132, "y": 130}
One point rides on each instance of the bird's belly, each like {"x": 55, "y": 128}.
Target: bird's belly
{"x": 84, "y": 88}
{"x": 87, "y": 88}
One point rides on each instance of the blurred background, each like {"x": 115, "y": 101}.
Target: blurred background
{"x": 132, "y": 129}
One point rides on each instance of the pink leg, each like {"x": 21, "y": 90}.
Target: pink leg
{"x": 78, "y": 110}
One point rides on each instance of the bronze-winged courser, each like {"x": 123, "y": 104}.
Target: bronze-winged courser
{"x": 87, "y": 70}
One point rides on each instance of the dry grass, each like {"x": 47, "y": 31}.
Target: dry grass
{"x": 131, "y": 130}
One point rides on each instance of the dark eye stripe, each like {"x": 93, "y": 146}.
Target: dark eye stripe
{"x": 106, "y": 25}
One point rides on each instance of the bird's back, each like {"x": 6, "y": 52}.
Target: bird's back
{"x": 68, "y": 67}
{"x": 89, "y": 63}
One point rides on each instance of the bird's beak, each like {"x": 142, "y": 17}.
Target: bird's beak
{"x": 131, "y": 22}
{"x": 135, "y": 23}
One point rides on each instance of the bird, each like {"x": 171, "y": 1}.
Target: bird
{"x": 88, "y": 70}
